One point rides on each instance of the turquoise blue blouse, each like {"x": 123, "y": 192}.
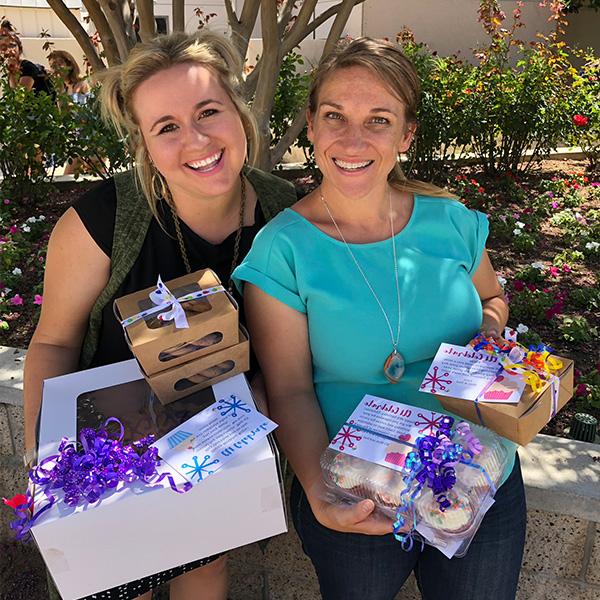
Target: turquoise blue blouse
{"x": 438, "y": 251}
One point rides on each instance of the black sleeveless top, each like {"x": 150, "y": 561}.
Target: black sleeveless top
{"x": 160, "y": 255}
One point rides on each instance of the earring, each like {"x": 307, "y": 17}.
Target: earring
{"x": 159, "y": 185}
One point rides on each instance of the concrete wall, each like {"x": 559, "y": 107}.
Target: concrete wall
{"x": 562, "y": 554}
{"x": 448, "y": 26}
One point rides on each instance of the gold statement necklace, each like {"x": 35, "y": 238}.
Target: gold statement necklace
{"x": 393, "y": 367}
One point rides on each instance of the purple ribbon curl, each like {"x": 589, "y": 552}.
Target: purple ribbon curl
{"x": 88, "y": 469}
{"x": 432, "y": 465}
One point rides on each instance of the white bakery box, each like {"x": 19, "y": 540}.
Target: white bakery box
{"x": 138, "y": 530}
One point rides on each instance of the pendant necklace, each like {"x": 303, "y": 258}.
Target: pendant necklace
{"x": 236, "y": 243}
{"x": 393, "y": 367}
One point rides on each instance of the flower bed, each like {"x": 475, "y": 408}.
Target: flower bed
{"x": 544, "y": 244}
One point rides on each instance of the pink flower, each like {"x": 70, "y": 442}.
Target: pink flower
{"x": 38, "y": 299}
{"x": 580, "y": 120}
{"x": 554, "y": 271}
{"x": 16, "y": 300}
{"x": 516, "y": 13}
{"x": 566, "y": 268}
{"x": 581, "y": 390}
{"x": 13, "y": 229}
{"x": 519, "y": 285}
{"x": 554, "y": 204}
{"x": 6, "y": 201}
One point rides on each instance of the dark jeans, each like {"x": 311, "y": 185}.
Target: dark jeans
{"x": 361, "y": 567}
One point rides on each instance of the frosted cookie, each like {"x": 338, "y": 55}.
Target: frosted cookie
{"x": 457, "y": 517}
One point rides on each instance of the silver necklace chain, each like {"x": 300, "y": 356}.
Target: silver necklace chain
{"x": 360, "y": 270}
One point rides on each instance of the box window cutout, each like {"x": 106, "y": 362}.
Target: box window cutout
{"x": 173, "y": 352}
{"x": 203, "y": 376}
{"x": 138, "y": 408}
{"x": 191, "y": 307}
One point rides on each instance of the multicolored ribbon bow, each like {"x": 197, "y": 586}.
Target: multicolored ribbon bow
{"x": 432, "y": 465}
{"x": 535, "y": 364}
{"x": 88, "y": 469}
{"x": 164, "y": 300}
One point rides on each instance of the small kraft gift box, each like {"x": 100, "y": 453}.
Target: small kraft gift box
{"x": 522, "y": 421}
{"x": 198, "y": 374}
{"x": 159, "y": 341}
{"x": 136, "y": 529}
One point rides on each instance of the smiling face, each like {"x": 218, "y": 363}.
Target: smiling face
{"x": 192, "y": 131}
{"x": 358, "y": 129}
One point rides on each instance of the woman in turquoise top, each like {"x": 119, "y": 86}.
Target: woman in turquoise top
{"x": 365, "y": 275}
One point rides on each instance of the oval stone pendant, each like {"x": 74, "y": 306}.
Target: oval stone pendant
{"x": 393, "y": 367}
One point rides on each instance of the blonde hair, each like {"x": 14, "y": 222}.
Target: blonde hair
{"x": 119, "y": 84}
{"x": 387, "y": 61}
{"x": 73, "y": 74}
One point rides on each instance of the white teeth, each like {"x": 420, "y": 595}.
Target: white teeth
{"x": 351, "y": 166}
{"x": 207, "y": 162}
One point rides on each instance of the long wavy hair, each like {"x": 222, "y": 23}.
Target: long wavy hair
{"x": 387, "y": 61}
{"x": 119, "y": 84}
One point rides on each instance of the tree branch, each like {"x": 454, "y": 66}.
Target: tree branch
{"x": 231, "y": 16}
{"x": 178, "y": 15}
{"x": 109, "y": 45}
{"x": 305, "y": 13}
{"x": 294, "y": 37}
{"x": 145, "y": 10}
{"x": 338, "y": 26}
{"x": 289, "y": 137}
{"x": 245, "y": 26}
{"x": 117, "y": 26}
{"x": 79, "y": 33}
{"x": 267, "y": 78}
{"x": 285, "y": 16}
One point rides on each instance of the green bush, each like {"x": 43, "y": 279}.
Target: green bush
{"x": 290, "y": 95}
{"x": 441, "y": 134}
{"x": 39, "y": 133}
{"x": 585, "y": 109}
{"x": 34, "y": 135}
{"x": 92, "y": 141}
{"x": 577, "y": 329}
{"x": 514, "y": 109}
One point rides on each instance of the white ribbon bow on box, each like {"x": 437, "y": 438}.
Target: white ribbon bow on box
{"x": 163, "y": 298}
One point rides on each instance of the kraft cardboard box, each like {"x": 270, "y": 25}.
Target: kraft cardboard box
{"x": 203, "y": 372}
{"x": 159, "y": 345}
{"x": 151, "y": 528}
{"x": 518, "y": 422}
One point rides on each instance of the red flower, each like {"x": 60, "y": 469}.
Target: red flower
{"x": 531, "y": 287}
{"x": 581, "y": 390}
{"x": 580, "y": 120}
{"x": 519, "y": 285}
{"x": 16, "y": 501}
{"x": 554, "y": 271}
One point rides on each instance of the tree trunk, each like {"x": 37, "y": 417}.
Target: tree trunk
{"x": 115, "y": 19}
{"x": 109, "y": 45}
{"x": 178, "y": 15}
{"x": 145, "y": 10}
{"x": 267, "y": 79}
{"x": 79, "y": 33}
